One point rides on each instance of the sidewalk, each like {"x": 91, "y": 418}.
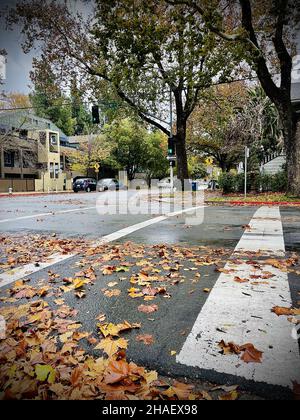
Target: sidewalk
{"x": 33, "y": 193}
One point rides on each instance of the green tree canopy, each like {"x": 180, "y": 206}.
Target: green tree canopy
{"x": 143, "y": 49}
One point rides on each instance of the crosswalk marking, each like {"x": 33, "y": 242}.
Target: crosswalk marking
{"x": 242, "y": 313}
{"x": 19, "y": 273}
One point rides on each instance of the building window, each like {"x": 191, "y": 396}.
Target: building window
{"x": 56, "y": 170}
{"x": 43, "y": 138}
{"x": 53, "y": 143}
{"x": 51, "y": 170}
{"x": 9, "y": 159}
{"x": 23, "y": 134}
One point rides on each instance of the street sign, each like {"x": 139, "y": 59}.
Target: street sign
{"x": 97, "y": 167}
{"x": 209, "y": 161}
{"x": 171, "y": 158}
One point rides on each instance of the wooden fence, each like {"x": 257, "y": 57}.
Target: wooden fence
{"x": 17, "y": 185}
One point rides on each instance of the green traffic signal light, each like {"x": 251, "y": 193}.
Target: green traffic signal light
{"x": 171, "y": 147}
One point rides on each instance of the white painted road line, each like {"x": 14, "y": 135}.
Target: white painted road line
{"x": 131, "y": 229}
{"x": 54, "y": 213}
{"x": 19, "y": 273}
{"x": 243, "y": 311}
{"x": 265, "y": 233}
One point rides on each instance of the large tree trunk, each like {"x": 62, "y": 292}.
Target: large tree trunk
{"x": 182, "y": 161}
{"x": 291, "y": 132}
{"x": 293, "y": 159}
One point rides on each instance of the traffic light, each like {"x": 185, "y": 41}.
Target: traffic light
{"x": 95, "y": 114}
{"x": 171, "y": 147}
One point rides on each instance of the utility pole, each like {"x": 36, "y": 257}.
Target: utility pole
{"x": 171, "y": 137}
{"x": 247, "y": 155}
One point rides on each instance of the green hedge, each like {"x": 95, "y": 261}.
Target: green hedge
{"x": 231, "y": 183}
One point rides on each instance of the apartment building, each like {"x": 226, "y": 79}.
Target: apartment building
{"x": 33, "y": 154}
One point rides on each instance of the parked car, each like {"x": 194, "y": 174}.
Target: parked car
{"x": 110, "y": 184}
{"x": 213, "y": 185}
{"x": 164, "y": 183}
{"x": 85, "y": 184}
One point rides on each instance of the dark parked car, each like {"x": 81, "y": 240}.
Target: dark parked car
{"x": 85, "y": 184}
{"x": 213, "y": 185}
{"x": 110, "y": 184}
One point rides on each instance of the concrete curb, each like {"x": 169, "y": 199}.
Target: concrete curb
{"x": 254, "y": 203}
{"x": 33, "y": 194}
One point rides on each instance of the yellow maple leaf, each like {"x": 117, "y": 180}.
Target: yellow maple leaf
{"x": 45, "y": 373}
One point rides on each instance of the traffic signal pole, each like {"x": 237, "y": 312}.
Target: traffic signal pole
{"x": 171, "y": 137}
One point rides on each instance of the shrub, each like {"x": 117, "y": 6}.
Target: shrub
{"x": 231, "y": 183}
{"x": 279, "y": 182}
{"x": 227, "y": 182}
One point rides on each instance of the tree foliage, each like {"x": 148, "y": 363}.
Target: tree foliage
{"x": 141, "y": 49}
{"x": 214, "y": 129}
{"x": 135, "y": 149}
{"x": 14, "y": 100}
{"x": 231, "y": 118}
{"x": 88, "y": 155}
{"x": 264, "y": 31}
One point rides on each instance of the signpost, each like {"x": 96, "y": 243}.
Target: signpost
{"x": 97, "y": 169}
{"x": 247, "y": 155}
{"x": 171, "y": 146}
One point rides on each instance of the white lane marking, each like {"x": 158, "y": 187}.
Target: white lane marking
{"x": 265, "y": 233}
{"x": 131, "y": 229}
{"x": 19, "y": 273}
{"x": 243, "y": 311}
{"x": 24, "y": 271}
{"x": 54, "y": 213}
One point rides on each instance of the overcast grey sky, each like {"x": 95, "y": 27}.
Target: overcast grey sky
{"x": 19, "y": 64}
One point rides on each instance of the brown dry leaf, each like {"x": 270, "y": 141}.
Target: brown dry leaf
{"x": 112, "y": 284}
{"x": 230, "y": 396}
{"x": 148, "y": 309}
{"x": 116, "y": 372}
{"x": 180, "y": 390}
{"x": 59, "y": 302}
{"x": 112, "y": 293}
{"x": 206, "y": 396}
{"x": 80, "y": 295}
{"x": 147, "y": 339}
{"x": 110, "y": 346}
{"x": 43, "y": 291}
{"x": 109, "y": 329}
{"x": 108, "y": 271}
{"x": 280, "y": 264}
{"x": 77, "y": 336}
{"x": 239, "y": 280}
{"x": 115, "y": 329}
{"x": 251, "y": 354}
{"x": 78, "y": 283}
{"x": 101, "y": 317}
{"x": 230, "y": 348}
{"x": 280, "y": 311}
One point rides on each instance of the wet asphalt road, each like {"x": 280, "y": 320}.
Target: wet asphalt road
{"x": 222, "y": 228}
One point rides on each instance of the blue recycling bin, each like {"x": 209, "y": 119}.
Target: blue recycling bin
{"x": 194, "y": 186}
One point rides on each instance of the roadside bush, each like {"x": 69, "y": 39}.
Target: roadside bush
{"x": 231, "y": 183}
{"x": 228, "y": 183}
{"x": 280, "y": 182}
